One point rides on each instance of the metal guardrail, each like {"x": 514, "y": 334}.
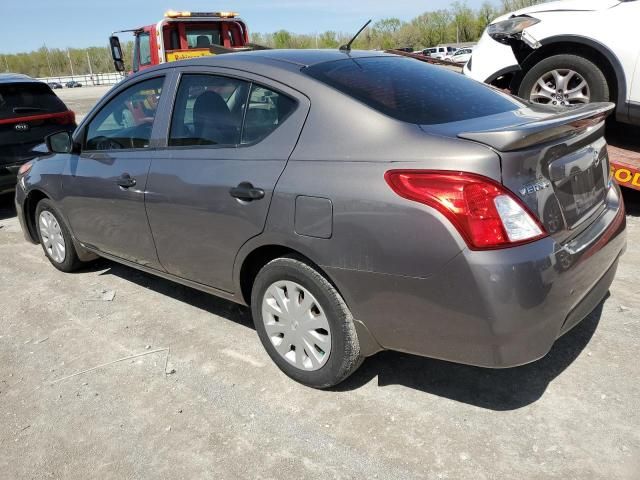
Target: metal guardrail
{"x": 87, "y": 80}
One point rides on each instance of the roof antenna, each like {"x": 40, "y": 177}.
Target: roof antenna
{"x": 347, "y": 47}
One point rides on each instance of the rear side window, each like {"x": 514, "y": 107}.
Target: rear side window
{"x": 208, "y": 111}
{"x": 26, "y": 99}
{"x": 412, "y": 91}
{"x": 267, "y": 110}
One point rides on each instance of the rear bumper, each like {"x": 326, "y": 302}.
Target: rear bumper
{"x": 495, "y": 309}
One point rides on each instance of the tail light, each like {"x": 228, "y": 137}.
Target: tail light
{"x": 67, "y": 118}
{"x": 486, "y": 214}
{"x": 25, "y": 167}
{"x": 61, "y": 118}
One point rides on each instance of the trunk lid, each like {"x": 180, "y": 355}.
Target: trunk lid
{"x": 556, "y": 162}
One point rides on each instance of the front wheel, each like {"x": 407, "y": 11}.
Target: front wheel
{"x": 304, "y": 324}
{"x": 564, "y": 80}
{"x": 55, "y": 239}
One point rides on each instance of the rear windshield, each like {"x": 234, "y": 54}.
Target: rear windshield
{"x": 412, "y": 91}
{"x": 26, "y": 99}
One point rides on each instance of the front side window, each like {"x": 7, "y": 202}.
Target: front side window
{"x": 144, "y": 49}
{"x": 267, "y": 110}
{"x": 126, "y": 121}
{"x": 208, "y": 111}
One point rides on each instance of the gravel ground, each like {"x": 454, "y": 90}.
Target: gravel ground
{"x": 81, "y": 100}
{"x": 225, "y": 411}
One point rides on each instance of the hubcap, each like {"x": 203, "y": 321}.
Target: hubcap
{"x": 561, "y": 87}
{"x": 296, "y": 325}
{"x": 51, "y": 235}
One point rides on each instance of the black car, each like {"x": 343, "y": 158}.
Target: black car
{"x": 73, "y": 84}
{"x": 55, "y": 85}
{"x": 29, "y": 111}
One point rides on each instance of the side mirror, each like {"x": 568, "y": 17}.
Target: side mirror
{"x": 59, "y": 142}
{"x": 116, "y": 53}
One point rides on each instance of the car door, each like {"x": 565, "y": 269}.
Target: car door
{"x": 209, "y": 190}
{"x": 105, "y": 183}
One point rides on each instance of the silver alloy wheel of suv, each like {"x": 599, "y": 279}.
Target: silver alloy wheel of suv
{"x": 561, "y": 87}
{"x": 296, "y": 325}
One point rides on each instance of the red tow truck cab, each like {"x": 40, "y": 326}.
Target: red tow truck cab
{"x": 182, "y": 35}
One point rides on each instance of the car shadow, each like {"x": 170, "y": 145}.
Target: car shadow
{"x": 7, "y": 207}
{"x": 204, "y": 301}
{"x": 499, "y": 390}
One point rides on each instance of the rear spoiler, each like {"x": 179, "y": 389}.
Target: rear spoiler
{"x": 552, "y": 128}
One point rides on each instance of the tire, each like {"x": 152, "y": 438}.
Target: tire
{"x": 318, "y": 370}
{"x": 45, "y": 212}
{"x": 597, "y": 90}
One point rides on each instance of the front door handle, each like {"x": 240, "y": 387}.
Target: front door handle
{"x": 126, "y": 181}
{"x": 245, "y": 191}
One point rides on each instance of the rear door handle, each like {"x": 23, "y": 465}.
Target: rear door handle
{"x": 247, "y": 192}
{"x": 126, "y": 181}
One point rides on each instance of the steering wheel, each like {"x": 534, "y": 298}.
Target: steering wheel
{"x": 106, "y": 143}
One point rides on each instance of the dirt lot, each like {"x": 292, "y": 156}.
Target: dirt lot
{"x": 81, "y": 100}
{"x": 226, "y": 412}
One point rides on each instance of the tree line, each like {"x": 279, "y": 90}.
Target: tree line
{"x": 459, "y": 23}
{"x": 56, "y": 62}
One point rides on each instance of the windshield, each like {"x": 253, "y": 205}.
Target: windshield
{"x": 411, "y": 90}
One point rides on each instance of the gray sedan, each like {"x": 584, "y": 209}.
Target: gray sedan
{"x": 357, "y": 201}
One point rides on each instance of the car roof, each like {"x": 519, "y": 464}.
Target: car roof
{"x": 260, "y": 61}
{"x": 17, "y": 78}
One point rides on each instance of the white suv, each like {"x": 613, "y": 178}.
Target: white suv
{"x": 564, "y": 53}
{"x": 439, "y": 52}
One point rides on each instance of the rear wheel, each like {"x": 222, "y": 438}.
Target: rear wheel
{"x": 304, "y": 324}
{"x": 55, "y": 239}
{"x": 564, "y": 80}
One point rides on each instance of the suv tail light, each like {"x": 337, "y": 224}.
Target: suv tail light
{"x": 486, "y": 214}
{"x": 67, "y": 118}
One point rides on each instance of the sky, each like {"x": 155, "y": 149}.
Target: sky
{"x": 29, "y": 24}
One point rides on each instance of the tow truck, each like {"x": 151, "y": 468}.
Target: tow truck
{"x": 181, "y": 35}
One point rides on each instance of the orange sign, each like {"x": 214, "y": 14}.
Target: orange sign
{"x": 625, "y": 176}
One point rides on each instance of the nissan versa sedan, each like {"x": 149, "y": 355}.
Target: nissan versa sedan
{"x": 357, "y": 201}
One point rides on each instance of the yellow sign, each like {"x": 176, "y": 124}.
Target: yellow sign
{"x": 186, "y": 54}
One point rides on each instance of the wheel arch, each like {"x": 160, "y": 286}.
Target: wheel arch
{"x": 30, "y": 205}
{"x": 251, "y": 260}
{"x": 591, "y": 49}
{"x": 254, "y": 259}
